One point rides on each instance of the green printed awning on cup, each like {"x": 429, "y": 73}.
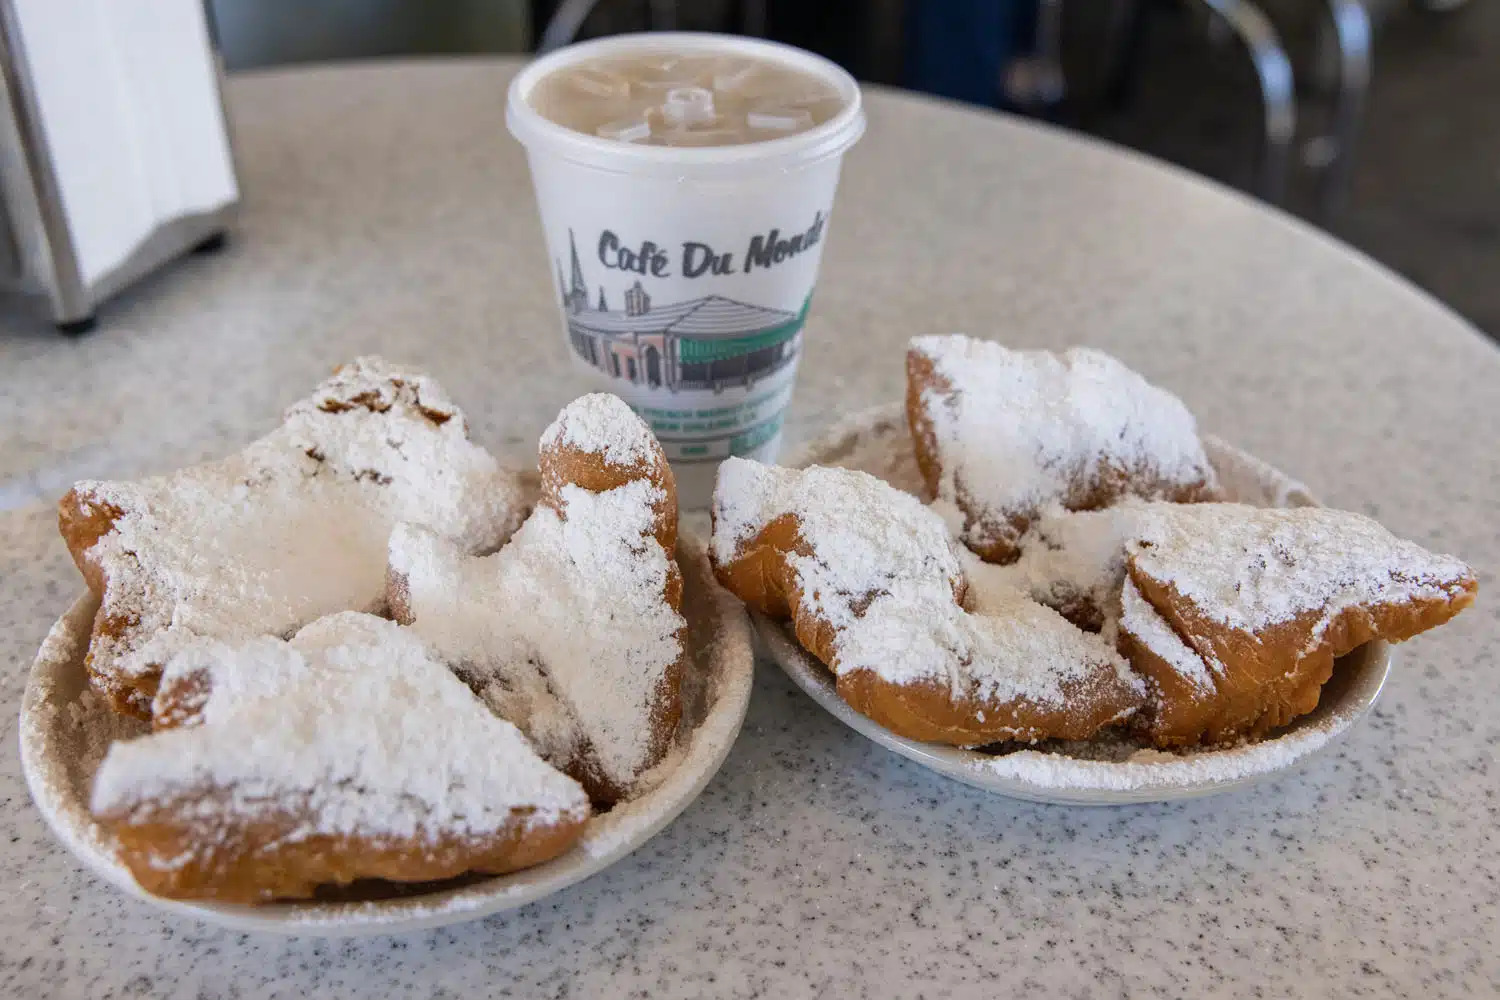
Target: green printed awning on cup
{"x": 698, "y": 351}
{"x": 692, "y": 350}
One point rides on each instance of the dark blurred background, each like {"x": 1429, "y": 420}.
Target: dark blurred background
{"x": 1378, "y": 120}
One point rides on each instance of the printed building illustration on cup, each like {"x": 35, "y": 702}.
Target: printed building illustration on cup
{"x": 711, "y": 342}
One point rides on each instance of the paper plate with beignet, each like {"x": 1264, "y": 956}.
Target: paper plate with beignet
{"x": 66, "y": 728}
{"x": 1119, "y": 645}
{"x": 380, "y": 720}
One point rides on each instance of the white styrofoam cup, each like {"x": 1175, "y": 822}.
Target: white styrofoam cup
{"x": 685, "y": 275}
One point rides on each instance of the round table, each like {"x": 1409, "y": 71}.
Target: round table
{"x": 388, "y": 211}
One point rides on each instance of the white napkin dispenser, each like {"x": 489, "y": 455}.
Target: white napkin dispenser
{"x": 114, "y": 146}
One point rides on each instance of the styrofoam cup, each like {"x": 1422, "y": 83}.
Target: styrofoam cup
{"x": 685, "y": 275}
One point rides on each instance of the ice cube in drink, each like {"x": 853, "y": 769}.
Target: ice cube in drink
{"x": 685, "y": 99}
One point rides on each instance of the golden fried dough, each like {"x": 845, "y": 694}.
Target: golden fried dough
{"x": 1007, "y": 435}
{"x": 572, "y": 631}
{"x": 347, "y": 752}
{"x": 1236, "y": 614}
{"x": 873, "y": 588}
{"x": 1071, "y": 561}
{"x": 291, "y": 528}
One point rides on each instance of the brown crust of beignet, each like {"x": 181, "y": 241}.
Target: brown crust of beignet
{"x": 263, "y": 861}
{"x": 760, "y": 575}
{"x": 249, "y": 841}
{"x": 928, "y": 712}
{"x": 1269, "y": 677}
{"x": 142, "y": 583}
{"x": 920, "y": 377}
{"x": 82, "y": 522}
{"x": 1177, "y": 711}
{"x": 1001, "y": 538}
{"x": 564, "y": 464}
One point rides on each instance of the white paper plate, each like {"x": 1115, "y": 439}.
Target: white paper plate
{"x": 877, "y": 441}
{"x": 60, "y": 725}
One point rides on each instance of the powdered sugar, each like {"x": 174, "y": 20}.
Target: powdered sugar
{"x": 883, "y": 574}
{"x": 876, "y": 441}
{"x": 1105, "y": 770}
{"x": 295, "y": 526}
{"x": 602, "y": 424}
{"x": 1249, "y": 568}
{"x": 1021, "y": 430}
{"x": 1070, "y": 561}
{"x": 78, "y": 722}
{"x": 62, "y": 722}
{"x": 868, "y": 538}
{"x": 1146, "y": 625}
{"x": 567, "y": 628}
{"x": 1018, "y": 651}
{"x": 337, "y": 726}
{"x": 627, "y": 822}
{"x": 1099, "y": 770}
{"x": 1125, "y": 767}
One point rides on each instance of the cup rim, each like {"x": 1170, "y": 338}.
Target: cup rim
{"x": 538, "y": 134}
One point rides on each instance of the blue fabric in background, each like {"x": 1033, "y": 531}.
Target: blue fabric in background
{"x": 959, "y": 48}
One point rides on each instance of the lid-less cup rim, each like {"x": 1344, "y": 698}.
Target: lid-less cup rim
{"x": 786, "y": 154}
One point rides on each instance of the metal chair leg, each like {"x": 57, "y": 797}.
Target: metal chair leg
{"x": 566, "y": 21}
{"x": 1273, "y": 70}
{"x": 663, "y": 15}
{"x": 1351, "y": 33}
{"x": 1127, "y": 34}
{"x": 753, "y": 18}
{"x": 1034, "y": 82}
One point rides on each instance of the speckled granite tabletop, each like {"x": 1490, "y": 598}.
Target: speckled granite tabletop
{"x": 389, "y": 211}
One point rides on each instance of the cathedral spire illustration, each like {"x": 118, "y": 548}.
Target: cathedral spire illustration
{"x": 710, "y": 343}
{"x": 577, "y": 297}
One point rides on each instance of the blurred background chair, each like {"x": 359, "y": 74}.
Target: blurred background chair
{"x": 1282, "y": 98}
{"x": 256, "y": 33}
{"x": 1338, "y": 73}
{"x": 1268, "y": 60}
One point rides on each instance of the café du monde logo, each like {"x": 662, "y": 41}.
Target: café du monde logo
{"x": 711, "y": 342}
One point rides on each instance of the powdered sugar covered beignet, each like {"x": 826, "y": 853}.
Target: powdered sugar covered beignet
{"x": 1183, "y": 692}
{"x": 572, "y": 630}
{"x": 348, "y": 752}
{"x": 1237, "y": 613}
{"x": 291, "y": 528}
{"x": 874, "y": 589}
{"x": 1008, "y": 435}
{"x": 1071, "y": 561}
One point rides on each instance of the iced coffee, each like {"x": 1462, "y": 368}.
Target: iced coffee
{"x": 685, "y": 184}
{"x": 686, "y": 99}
